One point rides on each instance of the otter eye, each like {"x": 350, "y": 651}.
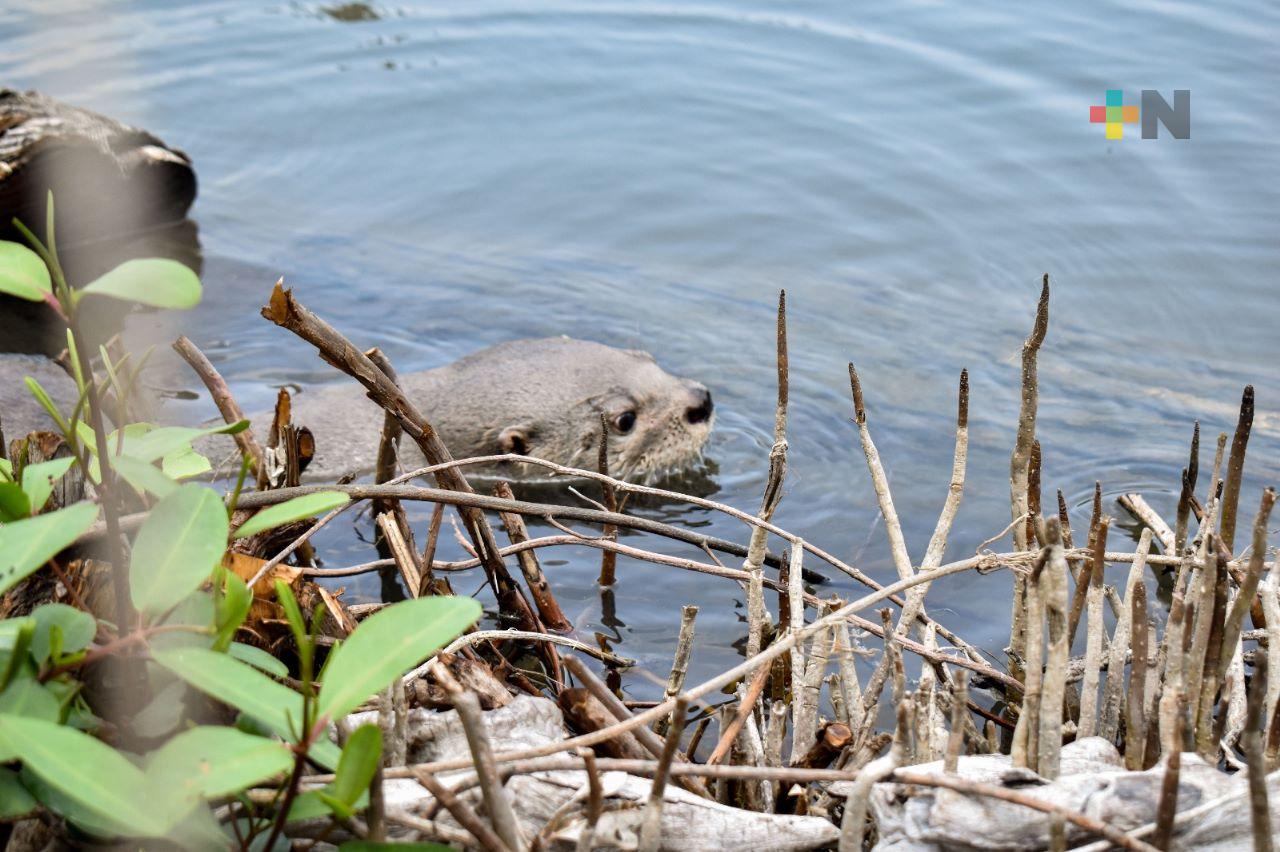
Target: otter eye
{"x": 625, "y": 421}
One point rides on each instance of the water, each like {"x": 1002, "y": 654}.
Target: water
{"x": 649, "y": 176}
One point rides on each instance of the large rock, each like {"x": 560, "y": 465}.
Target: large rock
{"x": 19, "y": 411}
{"x": 120, "y": 193}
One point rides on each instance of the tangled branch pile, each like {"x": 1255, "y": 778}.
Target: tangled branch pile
{"x": 1153, "y": 739}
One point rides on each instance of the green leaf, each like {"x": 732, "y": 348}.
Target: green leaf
{"x": 46, "y": 402}
{"x": 87, "y": 772}
{"x": 26, "y": 545}
{"x": 230, "y": 609}
{"x": 163, "y": 440}
{"x": 149, "y": 443}
{"x": 184, "y": 463}
{"x": 167, "y": 708}
{"x": 200, "y": 829}
{"x": 6, "y": 469}
{"x": 387, "y": 644}
{"x": 195, "y": 612}
{"x": 293, "y": 614}
{"x": 15, "y": 639}
{"x": 211, "y": 761}
{"x": 26, "y": 696}
{"x": 16, "y": 800}
{"x": 258, "y": 658}
{"x": 14, "y": 503}
{"x": 359, "y": 761}
{"x": 23, "y": 273}
{"x": 179, "y": 544}
{"x": 244, "y": 688}
{"x": 155, "y": 281}
{"x": 306, "y": 506}
{"x": 308, "y": 805}
{"x": 144, "y": 477}
{"x": 78, "y": 629}
{"x": 374, "y": 846}
{"x": 54, "y": 800}
{"x": 38, "y": 480}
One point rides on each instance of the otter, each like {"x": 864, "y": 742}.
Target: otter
{"x": 542, "y": 398}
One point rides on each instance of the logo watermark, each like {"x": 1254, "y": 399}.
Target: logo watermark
{"x": 1155, "y": 111}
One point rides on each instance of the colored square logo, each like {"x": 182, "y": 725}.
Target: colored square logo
{"x": 1097, "y": 114}
{"x": 1115, "y": 131}
{"x": 1115, "y": 114}
{"x": 1130, "y": 114}
{"x": 1115, "y": 97}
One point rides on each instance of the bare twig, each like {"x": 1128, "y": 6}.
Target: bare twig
{"x": 1248, "y": 592}
{"x": 1053, "y": 592}
{"x": 745, "y": 707}
{"x": 1235, "y": 469}
{"x": 406, "y": 558}
{"x": 285, "y": 311}
{"x": 680, "y": 662}
{"x": 1020, "y": 462}
{"x": 497, "y": 800}
{"x": 1137, "y": 506}
{"x": 853, "y": 825}
{"x": 1136, "y": 719}
{"x": 1259, "y": 812}
{"x": 1093, "y": 648}
{"x": 892, "y": 526}
{"x": 780, "y": 647}
{"x": 1109, "y": 726}
{"x": 548, "y": 607}
{"x": 220, "y": 392}
{"x": 1168, "y": 805}
{"x": 756, "y": 549}
{"x": 651, "y": 824}
{"x": 595, "y": 801}
{"x": 463, "y": 814}
{"x": 955, "y": 742}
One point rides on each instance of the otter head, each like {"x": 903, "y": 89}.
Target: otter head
{"x": 657, "y": 423}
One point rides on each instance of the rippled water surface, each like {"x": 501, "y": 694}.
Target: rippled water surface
{"x": 436, "y": 180}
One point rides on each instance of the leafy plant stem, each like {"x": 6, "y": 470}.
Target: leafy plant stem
{"x": 119, "y": 644}
{"x": 89, "y": 390}
{"x": 106, "y": 488}
{"x": 72, "y": 591}
{"x": 310, "y": 728}
{"x": 245, "y": 463}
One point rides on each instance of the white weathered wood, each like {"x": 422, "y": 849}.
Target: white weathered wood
{"x": 1093, "y": 781}
{"x": 688, "y": 821}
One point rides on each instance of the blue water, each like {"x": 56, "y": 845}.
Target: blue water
{"x": 650, "y": 175}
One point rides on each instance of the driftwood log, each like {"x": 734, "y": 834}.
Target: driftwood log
{"x": 120, "y": 192}
{"x": 1093, "y": 781}
{"x": 688, "y": 821}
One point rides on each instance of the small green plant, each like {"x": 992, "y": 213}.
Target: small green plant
{"x": 150, "y": 771}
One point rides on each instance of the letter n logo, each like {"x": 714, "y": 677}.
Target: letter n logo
{"x": 1156, "y": 111}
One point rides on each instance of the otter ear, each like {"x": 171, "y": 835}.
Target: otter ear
{"x": 514, "y": 439}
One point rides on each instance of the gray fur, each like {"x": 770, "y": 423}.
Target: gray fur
{"x": 544, "y": 397}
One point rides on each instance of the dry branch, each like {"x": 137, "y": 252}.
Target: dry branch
{"x": 220, "y": 392}
{"x": 285, "y": 311}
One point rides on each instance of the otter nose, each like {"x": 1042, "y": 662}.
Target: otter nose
{"x": 701, "y": 409}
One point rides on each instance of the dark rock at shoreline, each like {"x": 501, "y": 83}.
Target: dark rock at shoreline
{"x": 120, "y": 193}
